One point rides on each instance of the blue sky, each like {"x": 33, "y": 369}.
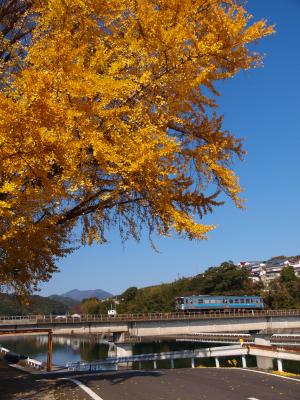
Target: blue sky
{"x": 262, "y": 106}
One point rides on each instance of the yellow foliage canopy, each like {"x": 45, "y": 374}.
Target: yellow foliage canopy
{"x": 107, "y": 121}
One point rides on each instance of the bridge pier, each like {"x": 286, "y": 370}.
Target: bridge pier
{"x": 112, "y": 352}
{"x": 124, "y": 350}
{"x": 279, "y": 365}
{"x": 263, "y": 362}
{"x": 172, "y": 363}
{"x": 244, "y": 362}
{"x": 119, "y": 336}
{"x": 192, "y": 362}
{"x": 217, "y": 362}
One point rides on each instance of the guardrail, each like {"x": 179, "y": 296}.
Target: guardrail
{"x": 18, "y": 317}
{"x": 3, "y": 350}
{"x": 46, "y": 319}
{"x": 170, "y": 355}
{"x": 92, "y": 366}
{"x": 27, "y": 361}
{"x": 34, "y": 363}
{"x": 221, "y": 351}
{"x": 211, "y": 352}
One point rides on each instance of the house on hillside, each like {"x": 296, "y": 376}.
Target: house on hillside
{"x": 266, "y": 271}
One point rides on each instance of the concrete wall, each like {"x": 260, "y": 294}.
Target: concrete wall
{"x": 157, "y": 328}
{"x": 168, "y": 327}
{"x": 67, "y": 328}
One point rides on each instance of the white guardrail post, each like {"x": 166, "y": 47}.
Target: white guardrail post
{"x": 279, "y": 365}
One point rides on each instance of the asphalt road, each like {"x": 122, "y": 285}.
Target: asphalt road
{"x": 192, "y": 384}
{"x": 18, "y": 385}
{"x": 178, "y": 384}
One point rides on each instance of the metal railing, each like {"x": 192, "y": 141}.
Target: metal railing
{"x": 216, "y": 352}
{"x": 52, "y": 319}
{"x": 92, "y": 366}
{"x": 3, "y": 350}
{"x": 170, "y": 355}
{"x": 18, "y": 317}
{"x": 33, "y": 363}
{"x": 30, "y": 362}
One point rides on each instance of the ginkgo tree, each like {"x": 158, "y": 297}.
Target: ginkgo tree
{"x": 107, "y": 120}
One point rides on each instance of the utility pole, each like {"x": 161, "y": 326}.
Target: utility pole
{"x": 49, "y": 355}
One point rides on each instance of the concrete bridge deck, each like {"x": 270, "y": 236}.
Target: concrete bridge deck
{"x": 160, "y": 324}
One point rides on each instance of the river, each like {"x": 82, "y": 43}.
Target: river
{"x": 87, "y": 349}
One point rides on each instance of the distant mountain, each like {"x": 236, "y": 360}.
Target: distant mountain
{"x": 64, "y": 300}
{"x": 79, "y": 295}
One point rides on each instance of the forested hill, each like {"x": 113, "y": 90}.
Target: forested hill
{"x": 227, "y": 279}
{"x": 64, "y": 300}
{"x": 10, "y": 305}
{"x": 54, "y": 304}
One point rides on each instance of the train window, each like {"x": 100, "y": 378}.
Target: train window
{"x": 200, "y": 301}
{"x": 225, "y": 301}
{"x": 257, "y": 301}
{"x": 247, "y": 300}
{"x": 230, "y": 301}
{"x": 242, "y": 300}
{"x": 187, "y": 301}
{"x": 236, "y": 300}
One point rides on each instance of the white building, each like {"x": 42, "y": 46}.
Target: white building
{"x": 266, "y": 271}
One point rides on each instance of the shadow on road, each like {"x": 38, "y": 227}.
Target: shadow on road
{"x": 116, "y": 378}
{"x": 19, "y": 385}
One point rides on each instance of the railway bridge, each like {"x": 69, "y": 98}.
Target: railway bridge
{"x": 158, "y": 324}
{"x": 126, "y": 327}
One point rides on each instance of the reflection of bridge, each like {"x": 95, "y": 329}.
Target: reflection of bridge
{"x": 163, "y": 324}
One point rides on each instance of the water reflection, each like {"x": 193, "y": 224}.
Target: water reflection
{"x": 87, "y": 349}
{"x": 65, "y": 348}
{"x": 73, "y": 349}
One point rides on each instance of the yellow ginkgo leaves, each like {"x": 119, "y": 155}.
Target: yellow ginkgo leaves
{"x": 106, "y": 121}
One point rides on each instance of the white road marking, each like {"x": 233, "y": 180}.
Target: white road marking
{"x": 268, "y": 373}
{"x": 93, "y": 395}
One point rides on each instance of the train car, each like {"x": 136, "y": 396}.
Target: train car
{"x": 222, "y": 303}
